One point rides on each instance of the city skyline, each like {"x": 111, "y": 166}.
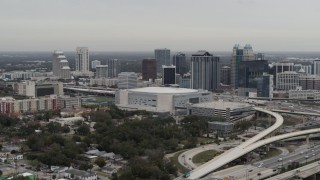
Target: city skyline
{"x": 287, "y": 25}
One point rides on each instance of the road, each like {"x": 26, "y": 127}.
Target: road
{"x": 238, "y": 151}
{"x": 185, "y": 158}
{"x": 269, "y": 167}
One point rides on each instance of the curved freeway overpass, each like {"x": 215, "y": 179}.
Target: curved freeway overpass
{"x": 238, "y": 151}
{"x": 248, "y": 146}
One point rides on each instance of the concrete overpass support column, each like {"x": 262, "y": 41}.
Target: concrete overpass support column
{"x": 307, "y": 139}
{"x": 268, "y": 147}
{"x": 269, "y": 119}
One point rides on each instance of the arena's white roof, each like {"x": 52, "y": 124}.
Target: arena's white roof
{"x": 163, "y": 90}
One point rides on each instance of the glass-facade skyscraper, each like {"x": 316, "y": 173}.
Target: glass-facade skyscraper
{"x": 163, "y": 58}
{"x": 179, "y": 60}
{"x": 205, "y": 71}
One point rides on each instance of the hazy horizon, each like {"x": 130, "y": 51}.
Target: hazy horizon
{"x": 144, "y": 25}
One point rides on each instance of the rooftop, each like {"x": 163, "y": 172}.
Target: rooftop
{"x": 79, "y": 172}
{"x": 222, "y": 105}
{"x": 202, "y": 53}
{"x": 163, "y": 90}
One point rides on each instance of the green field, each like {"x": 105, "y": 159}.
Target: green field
{"x": 271, "y": 153}
{"x": 205, "y": 156}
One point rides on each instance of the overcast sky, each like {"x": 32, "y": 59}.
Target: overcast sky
{"x": 139, "y": 25}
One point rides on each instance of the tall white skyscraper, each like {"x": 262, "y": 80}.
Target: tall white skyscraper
{"x": 60, "y": 65}
{"x": 82, "y": 59}
{"x": 163, "y": 58}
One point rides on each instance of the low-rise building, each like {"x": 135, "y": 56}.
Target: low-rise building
{"x": 82, "y": 175}
{"x": 221, "y": 128}
{"x": 304, "y": 94}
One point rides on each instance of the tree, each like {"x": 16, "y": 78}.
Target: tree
{"x": 0, "y": 147}
{"x": 83, "y": 129}
{"x": 54, "y": 176}
{"x": 100, "y": 162}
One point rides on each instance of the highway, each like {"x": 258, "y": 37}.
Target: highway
{"x": 269, "y": 167}
{"x": 302, "y": 172}
{"x": 247, "y": 146}
{"x": 295, "y": 112}
{"x": 238, "y": 151}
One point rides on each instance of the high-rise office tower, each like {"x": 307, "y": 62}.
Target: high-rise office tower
{"x": 316, "y": 67}
{"x": 249, "y": 73}
{"x": 82, "y": 59}
{"x": 113, "y": 66}
{"x": 163, "y": 58}
{"x": 205, "y": 71}
{"x": 127, "y": 80}
{"x": 60, "y": 65}
{"x": 101, "y": 71}
{"x": 279, "y": 68}
{"x": 95, "y": 63}
{"x": 179, "y": 60}
{"x": 168, "y": 75}
{"x": 239, "y": 54}
{"x": 149, "y": 69}
{"x": 225, "y": 75}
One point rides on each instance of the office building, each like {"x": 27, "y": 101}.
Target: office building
{"x": 179, "y": 60}
{"x": 60, "y": 65}
{"x": 168, "y": 75}
{"x": 127, "y": 80}
{"x": 113, "y": 67}
{"x": 249, "y": 72}
{"x": 265, "y": 86}
{"x": 95, "y": 63}
{"x": 67, "y": 102}
{"x": 239, "y": 54}
{"x": 24, "y": 75}
{"x": 225, "y": 75}
{"x": 205, "y": 71}
{"x": 36, "y": 89}
{"x": 149, "y": 69}
{"x": 309, "y": 82}
{"x": 288, "y": 80}
{"x": 279, "y": 68}
{"x": 160, "y": 99}
{"x": 304, "y": 94}
{"x": 82, "y": 59}
{"x": 103, "y": 82}
{"x": 102, "y": 71}
{"x": 185, "y": 82}
{"x": 303, "y": 68}
{"x": 162, "y": 57}
{"x": 316, "y": 67}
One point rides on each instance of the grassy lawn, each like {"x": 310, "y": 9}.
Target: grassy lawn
{"x": 289, "y": 120}
{"x": 204, "y": 156}
{"x": 271, "y": 153}
{"x": 204, "y": 140}
{"x": 175, "y": 161}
